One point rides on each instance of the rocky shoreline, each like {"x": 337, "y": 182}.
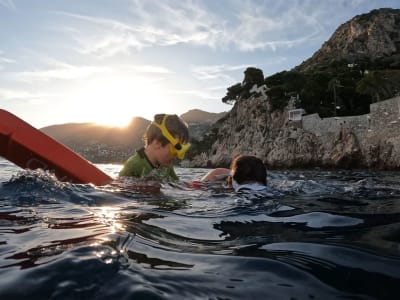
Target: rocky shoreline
{"x": 358, "y": 142}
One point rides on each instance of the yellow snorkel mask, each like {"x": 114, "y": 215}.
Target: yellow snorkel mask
{"x": 177, "y": 148}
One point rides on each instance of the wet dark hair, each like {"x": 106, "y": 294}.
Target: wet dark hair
{"x": 175, "y": 125}
{"x": 249, "y": 168}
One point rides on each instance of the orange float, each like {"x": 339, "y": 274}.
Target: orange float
{"x": 30, "y": 148}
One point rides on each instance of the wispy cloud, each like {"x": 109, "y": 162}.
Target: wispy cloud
{"x": 216, "y": 72}
{"x": 244, "y": 25}
{"x": 162, "y": 25}
{"x": 201, "y": 94}
{"x": 216, "y": 88}
{"x": 59, "y": 71}
{"x": 24, "y": 96}
{"x": 151, "y": 69}
{"x": 5, "y": 60}
{"x": 273, "y": 26}
{"x": 9, "y": 4}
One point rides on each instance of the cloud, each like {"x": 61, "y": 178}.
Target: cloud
{"x": 274, "y": 26}
{"x": 151, "y": 69}
{"x": 59, "y": 71}
{"x": 216, "y": 88}
{"x": 216, "y": 72}
{"x": 5, "y": 60}
{"x": 243, "y": 25}
{"x": 24, "y": 96}
{"x": 201, "y": 94}
{"x": 9, "y": 4}
{"x": 161, "y": 25}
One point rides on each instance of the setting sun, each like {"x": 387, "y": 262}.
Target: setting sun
{"x": 115, "y": 100}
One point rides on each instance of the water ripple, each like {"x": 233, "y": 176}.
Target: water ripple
{"x": 311, "y": 235}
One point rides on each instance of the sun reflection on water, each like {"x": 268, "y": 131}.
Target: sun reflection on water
{"x": 109, "y": 216}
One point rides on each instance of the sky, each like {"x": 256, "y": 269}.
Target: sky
{"x": 107, "y": 61}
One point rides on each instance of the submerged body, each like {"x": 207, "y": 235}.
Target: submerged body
{"x": 140, "y": 166}
{"x": 166, "y": 139}
{"x": 246, "y": 173}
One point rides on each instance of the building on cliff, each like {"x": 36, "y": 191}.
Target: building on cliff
{"x": 366, "y": 141}
{"x": 377, "y": 133}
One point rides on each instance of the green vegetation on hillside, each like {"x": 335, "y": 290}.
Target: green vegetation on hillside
{"x": 338, "y": 89}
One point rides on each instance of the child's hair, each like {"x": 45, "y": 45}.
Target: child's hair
{"x": 175, "y": 125}
{"x": 247, "y": 168}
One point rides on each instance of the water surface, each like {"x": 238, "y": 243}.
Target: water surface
{"x": 311, "y": 235}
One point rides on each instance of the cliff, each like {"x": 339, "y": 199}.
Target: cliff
{"x": 259, "y": 123}
{"x": 358, "y": 65}
{"x": 366, "y": 37}
{"x": 367, "y": 141}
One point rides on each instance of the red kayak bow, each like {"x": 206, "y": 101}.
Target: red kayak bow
{"x": 30, "y": 148}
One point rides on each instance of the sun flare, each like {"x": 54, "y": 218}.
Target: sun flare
{"x": 115, "y": 100}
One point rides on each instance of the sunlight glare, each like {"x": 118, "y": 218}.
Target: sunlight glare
{"x": 109, "y": 216}
{"x": 115, "y": 100}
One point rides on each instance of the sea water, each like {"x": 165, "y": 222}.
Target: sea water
{"x": 310, "y": 235}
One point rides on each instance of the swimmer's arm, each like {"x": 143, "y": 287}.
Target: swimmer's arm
{"x": 217, "y": 174}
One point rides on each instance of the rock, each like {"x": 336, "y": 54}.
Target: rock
{"x": 294, "y": 147}
{"x": 345, "y": 153}
{"x": 368, "y": 36}
{"x": 367, "y": 141}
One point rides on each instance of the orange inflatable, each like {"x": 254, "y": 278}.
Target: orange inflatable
{"x": 30, "y": 148}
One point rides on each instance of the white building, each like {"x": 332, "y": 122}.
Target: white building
{"x": 296, "y": 114}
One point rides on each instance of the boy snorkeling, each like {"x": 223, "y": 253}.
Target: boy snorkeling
{"x": 166, "y": 138}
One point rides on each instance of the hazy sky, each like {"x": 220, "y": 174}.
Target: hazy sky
{"x": 107, "y": 61}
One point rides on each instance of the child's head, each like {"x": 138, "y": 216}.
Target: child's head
{"x": 168, "y": 129}
{"x": 248, "y": 169}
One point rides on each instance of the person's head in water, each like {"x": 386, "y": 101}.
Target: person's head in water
{"x": 167, "y": 129}
{"x": 248, "y": 170}
{"x": 166, "y": 138}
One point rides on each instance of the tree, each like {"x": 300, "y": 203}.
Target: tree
{"x": 232, "y": 94}
{"x": 293, "y": 81}
{"x": 277, "y": 97}
{"x": 242, "y": 90}
{"x": 252, "y": 76}
{"x": 373, "y": 84}
{"x": 314, "y": 95}
{"x": 333, "y": 84}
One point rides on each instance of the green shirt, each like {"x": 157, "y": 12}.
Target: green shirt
{"x": 138, "y": 165}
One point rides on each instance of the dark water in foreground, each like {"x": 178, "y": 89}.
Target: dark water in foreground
{"x": 313, "y": 235}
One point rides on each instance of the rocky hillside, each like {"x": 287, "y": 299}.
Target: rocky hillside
{"x": 371, "y": 36}
{"x": 258, "y": 123}
{"x": 253, "y": 128}
{"x": 367, "y": 141}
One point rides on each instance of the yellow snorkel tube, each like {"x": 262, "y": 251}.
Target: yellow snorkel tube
{"x": 177, "y": 148}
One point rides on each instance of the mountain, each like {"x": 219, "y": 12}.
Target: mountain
{"x": 372, "y": 36}
{"x": 357, "y": 67}
{"x": 100, "y": 143}
{"x": 200, "y": 116}
{"x": 345, "y": 80}
{"x": 199, "y": 122}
